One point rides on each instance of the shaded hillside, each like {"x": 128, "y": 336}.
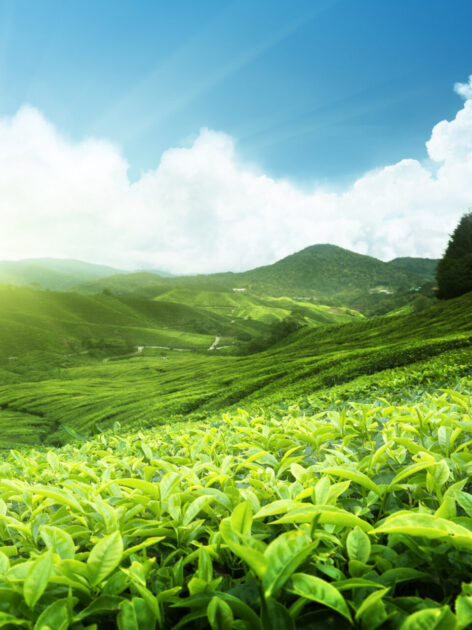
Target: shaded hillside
{"x": 144, "y": 284}
{"x": 327, "y": 270}
{"x": 423, "y": 267}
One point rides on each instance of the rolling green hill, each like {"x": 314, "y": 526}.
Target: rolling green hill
{"x": 51, "y": 273}
{"x": 327, "y": 270}
{"x": 59, "y": 274}
{"x": 145, "y": 390}
{"x": 69, "y": 323}
{"x": 326, "y": 273}
{"x": 239, "y": 305}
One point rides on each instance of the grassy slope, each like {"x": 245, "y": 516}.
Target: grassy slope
{"x": 244, "y": 306}
{"x": 147, "y": 390}
{"x": 227, "y": 303}
{"x": 67, "y": 322}
{"x": 318, "y": 313}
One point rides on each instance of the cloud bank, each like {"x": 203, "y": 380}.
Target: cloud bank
{"x": 203, "y": 210}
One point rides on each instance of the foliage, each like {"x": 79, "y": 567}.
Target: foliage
{"x": 425, "y": 267}
{"x": 454, "y": 272}
{"x": 354, "y": 515}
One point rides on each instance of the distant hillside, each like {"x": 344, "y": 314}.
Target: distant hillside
{"x": 51, "y": 273}
{"x": 143, "y": 284}
{"x": 424, "y": 267}
{"x": 159, "y": 272}
{"x": 319, "y": 271}
{"x": 327, "y": 270}
{"x": 59, "y": 274}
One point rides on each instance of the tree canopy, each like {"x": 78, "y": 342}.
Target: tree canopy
{"x": 454, "y": 271}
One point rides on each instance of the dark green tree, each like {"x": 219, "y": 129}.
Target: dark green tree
{"x": 454, "y": 271}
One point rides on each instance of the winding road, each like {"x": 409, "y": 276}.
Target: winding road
{"x": 141, "y": 348}
{"x": 214, "y": 344}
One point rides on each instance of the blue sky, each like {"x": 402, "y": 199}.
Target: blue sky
{"x": 318, "y": 89}
{"x": 210, "y": 135}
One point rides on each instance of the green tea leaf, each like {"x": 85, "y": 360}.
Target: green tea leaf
{"x": 327, "y": 514}
{"x": 253, "y": 558}
{"x": 427, "y": 525}
{"x": 219, "y": 614}
{"x": 276, "y": 617}
{"x": 283, "y": 556}
{"x": 104, "y": 604}
{"x": 370, "y": 602}
{"x": 278, "y": 507}
{"x": 127, "y": 618}
{"x": 463, "y": 611}
{"x": 358, "y": 545}
{"x": 357, "y": 477}
{"x": 318, "y": 590}
{"x": 147, "y": 488}
{"x": 104, "y": 557}
{"x": 412, "y": 469}
{"x": 37, "y": 578}
{"x": 194, "y": 508}
{"x": 430, "y": 619}
{"x": 322, "y": 490}
{"x": 4, "y": 563}
{"x": 56, "y": 616}
{"x": 7, "y": 620}
{"x": 58, "y": 541}
{"x": 241, "y": 518}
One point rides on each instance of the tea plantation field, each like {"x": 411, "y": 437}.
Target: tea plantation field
{"x": 326, "y": 513}
{"x": 145, "y": 390}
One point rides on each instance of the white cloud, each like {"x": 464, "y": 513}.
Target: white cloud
{"x": 203, "y": 210}
{"x": 464, "y": 89}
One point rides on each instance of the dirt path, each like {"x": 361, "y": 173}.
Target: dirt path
{"x": 214, "y": 344}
